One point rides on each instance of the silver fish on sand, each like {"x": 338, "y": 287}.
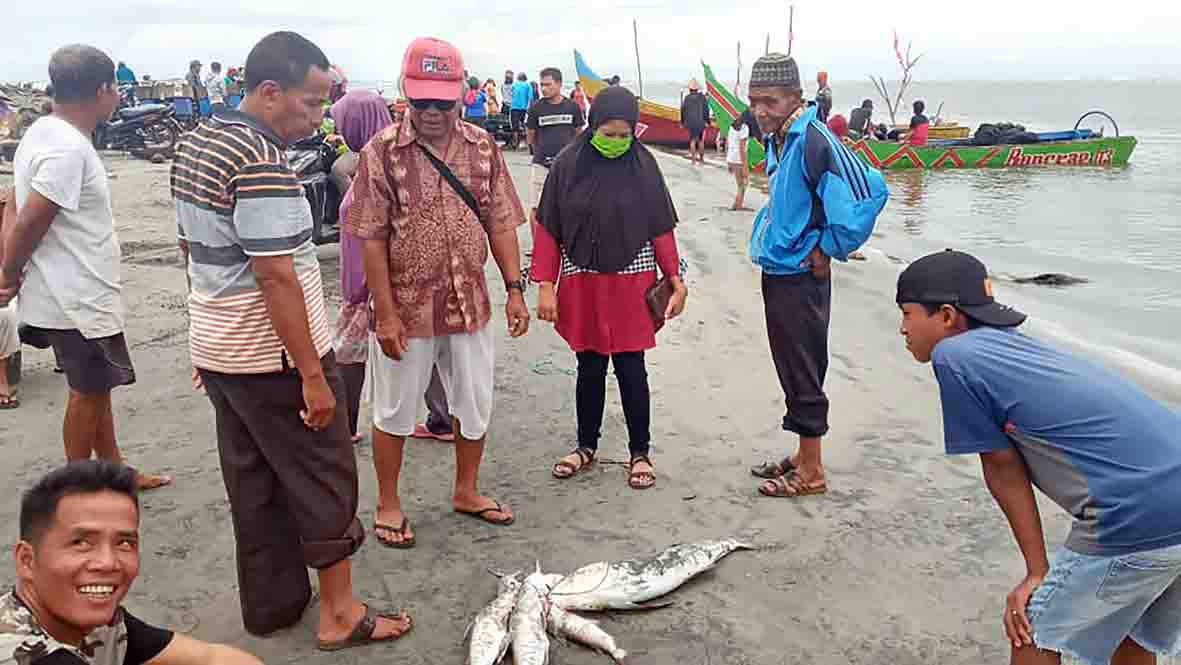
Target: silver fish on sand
{"x": 527, "y": 624}
{"x": 624, "y": 585}
{"x": 488, "y": 634}
{"x": 584, "y": 631}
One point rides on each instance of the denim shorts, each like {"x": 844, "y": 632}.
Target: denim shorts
{"x": 1088, "y": 605}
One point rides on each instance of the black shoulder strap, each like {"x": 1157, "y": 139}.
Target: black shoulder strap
{"x": 456, "y": 185}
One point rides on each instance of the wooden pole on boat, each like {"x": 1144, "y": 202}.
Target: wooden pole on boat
{"x": 767, "y": 46}
{"x": 738, "y": 79}
{"x": 639, "y": 70}
{"x": 791, "y": 35}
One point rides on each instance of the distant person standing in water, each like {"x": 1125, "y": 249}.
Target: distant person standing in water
{"x": 823, "y": 97}
{"x": 695, "y": 118}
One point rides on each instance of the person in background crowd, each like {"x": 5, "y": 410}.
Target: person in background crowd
{"x": 613, "y": 81}
{"x": 861, "y": 121}
{"x": 920, "y": 125}
{"x": 62, "y": 254}
{"x": 606, "y": 223}
{"x": 10, "y": 342}
{"x": 492, "y": 103}
{"x": 262, "y": 348}
{"x": 475, "y": 103}
{"x": 506, "y": 92}
{"x": 554, "y": 121}
{"x": 197, "y": 85}
{"x": 523, "y": 98}
{"x": 216, "y": 86}
{"x": 432, "y": 194}
{"x": 839, "y": 127}
{"x": 579, "y": 97}
{"x": 124, "y": 75}
{"x": 695, "y": 118}
{"x": 737, "y": 160}
{"x": 77, "y": 556}
{"x": 822, "y": 203}
{"x": 1093, "y": 443}
{"x": 823, "y": 97}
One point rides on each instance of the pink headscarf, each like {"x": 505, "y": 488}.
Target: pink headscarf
{"x": 359, "y": 116}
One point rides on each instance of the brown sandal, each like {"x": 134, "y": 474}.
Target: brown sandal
{"x": 564, "y": 470}
{"x": 773, "y": 470}
{"x": 790, "y": 486}
{"x": 641, "y": 480}
{"x": 363, "y": 632}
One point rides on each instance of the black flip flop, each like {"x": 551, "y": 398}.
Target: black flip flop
{"x": 363, "y": 632}
{"x": 404, "y": 544}
{"x": 479, "y": 514}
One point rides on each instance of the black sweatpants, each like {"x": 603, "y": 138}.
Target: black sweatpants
{"x": 797, "y": 310}
{"x": 591, "y": 397}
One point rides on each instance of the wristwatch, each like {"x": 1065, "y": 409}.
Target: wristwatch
{"x": 518, "y": 284}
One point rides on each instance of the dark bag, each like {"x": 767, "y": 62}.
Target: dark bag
{"x": 657, "y": 297}
{"x": 464, "y": 193}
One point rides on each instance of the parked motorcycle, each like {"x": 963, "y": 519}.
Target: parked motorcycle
{"x": 312, "y": 159}
{"x": 144, "y": 131}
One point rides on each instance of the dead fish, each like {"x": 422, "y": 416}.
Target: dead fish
{"x": 624, "y": 585}
{"x": 488, "y": 634}
{"x": 584, "y": 631}
{"x": 527, "y": 624}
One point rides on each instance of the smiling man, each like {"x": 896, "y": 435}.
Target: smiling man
{"x": 77, "y": 558}
{"x": 1096, "y": 445}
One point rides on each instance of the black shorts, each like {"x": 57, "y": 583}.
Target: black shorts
{"x": 695, "y": 133}
{"x": 90, "y": 365}
{"x": 517, "y": 117}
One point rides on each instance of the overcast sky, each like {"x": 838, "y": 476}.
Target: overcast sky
{"x": 1007, "y": 39}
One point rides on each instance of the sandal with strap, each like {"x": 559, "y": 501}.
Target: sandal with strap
{"x": 564, "y": 470}
{"x": 641, "y": 480}
{"x": 790, "y": 486}
{"x": 773, "y": 470}
{"x": 363, "y": 632}
{"x": 406, "y": 541}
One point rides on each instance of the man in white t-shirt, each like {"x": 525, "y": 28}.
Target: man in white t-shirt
{"x": 62, "y": 254}
{"x": 736, "y": 159}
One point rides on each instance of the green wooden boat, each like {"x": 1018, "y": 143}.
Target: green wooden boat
{"x": 1113, "y": 151}
{"x": 1075, "y": 147}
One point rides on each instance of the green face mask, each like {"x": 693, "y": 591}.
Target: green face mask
{"x": 611, "y": 148}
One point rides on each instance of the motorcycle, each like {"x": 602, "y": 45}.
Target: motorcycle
{"x": 311, "y": 159}
{"x": 146, "y": 130}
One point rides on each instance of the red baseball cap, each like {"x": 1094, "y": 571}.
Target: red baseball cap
{"x": 432, "y": 69}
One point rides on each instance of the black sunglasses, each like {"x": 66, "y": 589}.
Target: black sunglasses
{"x": 441, "y": 104}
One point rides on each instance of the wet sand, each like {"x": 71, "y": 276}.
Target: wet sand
{"x": 905, "y": 560}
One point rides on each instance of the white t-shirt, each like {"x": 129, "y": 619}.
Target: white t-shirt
{"x": 734, "y": 138}
{"x": 72, "y": 279}
{"x": 216, "y": 86}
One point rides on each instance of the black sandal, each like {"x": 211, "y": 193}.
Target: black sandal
{"x": 636, "y": 479}
{"x": 564, "y": 470}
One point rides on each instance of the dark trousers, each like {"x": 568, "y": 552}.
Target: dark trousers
{"x": 797, "y": 310}
{"x": 438, "y": 413}
{"x": 292, "y": 491}
{"x": 591, "y": 397}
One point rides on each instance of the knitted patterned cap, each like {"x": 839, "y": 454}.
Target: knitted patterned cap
{"x": 775, "y": 70}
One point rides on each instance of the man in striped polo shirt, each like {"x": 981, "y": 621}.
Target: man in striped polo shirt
{"x": 259, "y": 340}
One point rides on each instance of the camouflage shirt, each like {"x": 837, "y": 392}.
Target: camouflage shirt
{"x": 23, "y": 641}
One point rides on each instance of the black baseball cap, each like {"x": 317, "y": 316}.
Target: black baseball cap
{"x": 955, "y": 278}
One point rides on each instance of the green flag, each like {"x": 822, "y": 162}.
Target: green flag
{"x": 726, "y": 107}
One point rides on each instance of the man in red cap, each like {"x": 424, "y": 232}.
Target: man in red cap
{"x": 431, "y": 194}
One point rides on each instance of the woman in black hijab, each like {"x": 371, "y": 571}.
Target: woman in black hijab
{"x": 605, "y": 224}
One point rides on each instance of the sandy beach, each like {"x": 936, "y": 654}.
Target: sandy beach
{"x": 905, "y": 560}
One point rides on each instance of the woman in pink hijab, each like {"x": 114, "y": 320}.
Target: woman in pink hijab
{"x": 359, "y": 116}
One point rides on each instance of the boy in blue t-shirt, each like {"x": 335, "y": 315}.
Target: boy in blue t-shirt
{"x": 1098, "y": 446}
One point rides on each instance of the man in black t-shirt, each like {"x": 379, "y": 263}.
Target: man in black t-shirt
{"x": 695, "y": 118}
{"x": 554, "y": 121}
{"x": 77, "y": 558}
